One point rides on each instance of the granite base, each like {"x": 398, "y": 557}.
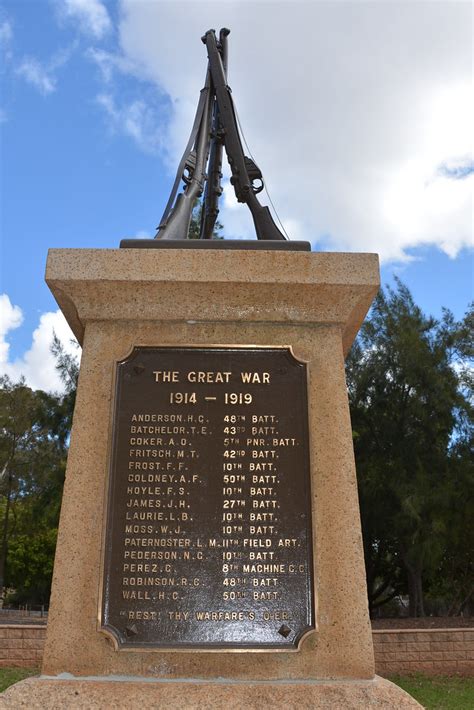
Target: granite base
{"x": 129, "y": 693}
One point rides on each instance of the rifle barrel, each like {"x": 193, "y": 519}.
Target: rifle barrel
{"x": 241, "y": 181}
{"x": 177, "y": 223}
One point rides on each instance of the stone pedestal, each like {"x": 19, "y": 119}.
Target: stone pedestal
{"x": 117, "y": 299}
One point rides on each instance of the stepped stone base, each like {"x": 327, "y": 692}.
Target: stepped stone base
{"x": 96, "y": 693}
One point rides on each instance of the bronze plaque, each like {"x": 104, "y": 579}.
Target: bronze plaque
{"x": 208, "y": 531}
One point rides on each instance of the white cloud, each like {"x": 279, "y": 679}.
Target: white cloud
{"x": 137, "y": 120}
{"x": 6, "y": 38}
{"x": 6, "y": 33}
{"x": 91, "y": 15}
{"x": 37, "y": 75}
{"x": 43, "y": 75}
{"x": 108, "y": 63}
{"x": 37, "y": 365}
{"x": 143, "y": 234}
{"x": 350, "y": 110}
{"x": 11, "y": 317}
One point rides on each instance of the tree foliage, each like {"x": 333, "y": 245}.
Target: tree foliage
{"x": 408, "y": 381}
{"x": 34, "y": 438}
{"x": 34, "y": 432}
{"x": 195, "y": 225}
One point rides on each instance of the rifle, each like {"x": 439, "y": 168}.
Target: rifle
{"x": 176, "y": 219}
{"x": 244, "y": 170}
{"x": 247, "y": 179}
{"x": 213, "y": 190}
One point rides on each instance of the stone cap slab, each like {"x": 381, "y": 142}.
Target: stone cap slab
{"x": 199, "y": 285}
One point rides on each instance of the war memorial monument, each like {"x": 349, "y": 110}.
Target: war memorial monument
{"x": 209, "y": 551}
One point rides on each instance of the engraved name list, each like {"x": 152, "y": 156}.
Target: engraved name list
{"x": 207, "y": 541}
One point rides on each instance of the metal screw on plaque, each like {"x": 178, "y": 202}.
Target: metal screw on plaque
{"x": 284, "y": 631}
{"x": 138, "y": 369}
{"x": 131, "y": 630}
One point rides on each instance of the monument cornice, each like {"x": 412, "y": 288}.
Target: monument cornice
{"x": 220, "y": 286}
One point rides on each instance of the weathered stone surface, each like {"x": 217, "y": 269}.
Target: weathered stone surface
{"x": 123, "y": 298}
{"x": 150, "y": 284}
{"x": 46, "y": 694}
{"x": 117, "y": 299}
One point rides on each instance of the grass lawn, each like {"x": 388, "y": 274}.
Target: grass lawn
{"x": 8, "y": 676}
{"x": 440, "y": 692}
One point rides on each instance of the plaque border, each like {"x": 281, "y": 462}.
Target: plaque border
{"x": 110, "y": 631}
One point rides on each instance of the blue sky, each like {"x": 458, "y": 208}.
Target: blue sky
{"x": 359, "y": 114}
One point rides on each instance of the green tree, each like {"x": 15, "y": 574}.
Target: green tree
{"x": 67, "y": 366}
{"x": 409, "y": 405}
{"x": 16, "y": 447}
{"x": 33, "y": 448}
{"x": 195, "y": 225}
{"x": 30, "y": 565}
{"x": 452, "y": 581}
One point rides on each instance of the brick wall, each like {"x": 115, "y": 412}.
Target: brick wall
{"x": 21, "y": 645}
{"x": 431, "y": 651}
{"x": 434, "y": 651}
